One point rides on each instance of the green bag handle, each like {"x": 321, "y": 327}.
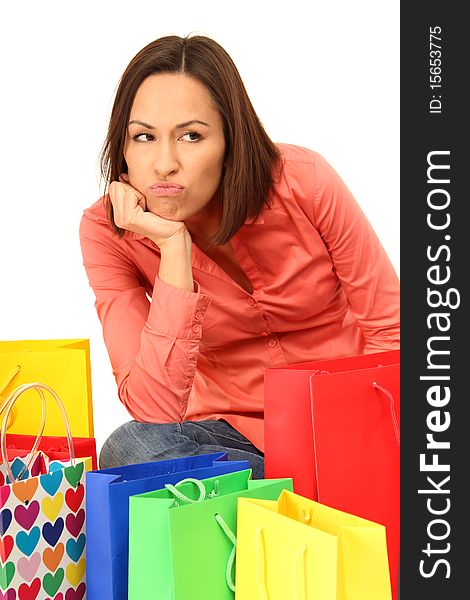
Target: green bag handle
{"x": 299, "y": 568}
{"x": 182, "y": 497}
{"x": 231, "y": 559}
{"x": 229, "y": 577}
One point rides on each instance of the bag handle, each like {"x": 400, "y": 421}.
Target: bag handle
{"x": 229, "y": 576}
{"x": 13, "y": 373}
{"x": 299, "y": 568}
{"x": 391, "y": 399}
{"x": 261, "y": 564}
{"x": 182, "y": 497}
{"x": 396, "y": 426}
{"x": 37, "y": 441}
{"x": 40, "y": 388}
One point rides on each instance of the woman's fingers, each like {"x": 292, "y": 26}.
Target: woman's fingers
{"x": 130, "y": 212}
{"x": 127, "y": 204}
{"x": 143, "y": 203}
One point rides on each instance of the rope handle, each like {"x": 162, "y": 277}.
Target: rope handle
{"x": 229, "y": 574}
{"x": 12, "y": 398}
{"x": 203, "y": 495}
{"x": 182, "y": 497}
{"x": 300, "y": 573}
{"x": 396, "y": 426}
{"x": 9, "y": 378}
{"x": 299, "y": 566}
{"x": 261, "y": 564}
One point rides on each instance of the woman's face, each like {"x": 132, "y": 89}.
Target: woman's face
{"x": 175, "y": 145}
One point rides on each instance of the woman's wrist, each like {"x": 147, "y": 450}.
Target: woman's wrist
{"x": 176, "y": 261}
{"x": 180, "y": 241}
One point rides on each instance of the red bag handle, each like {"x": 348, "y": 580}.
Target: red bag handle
{"x": 396, "y": 426}
{"x": 393, "y": 414}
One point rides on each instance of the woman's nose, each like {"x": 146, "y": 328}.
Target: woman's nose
{"x": 166, "y": 160}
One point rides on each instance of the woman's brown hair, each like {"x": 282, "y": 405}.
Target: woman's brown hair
{"x": 251, "y": 156}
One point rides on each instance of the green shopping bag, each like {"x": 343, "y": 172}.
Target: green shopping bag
{"x": 182, "y": 538}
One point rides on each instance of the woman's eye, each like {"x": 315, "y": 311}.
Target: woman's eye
{"x": 191, "y": 136}
{"x": 142, "y": 137}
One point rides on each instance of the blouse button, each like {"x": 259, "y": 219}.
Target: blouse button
{"x": 196, "y": 328}
{"x": 198, "y": 314}
{"x": 272, "y": 343}
{"x": 251, "y": 301}
{"x": 264, "y": 333}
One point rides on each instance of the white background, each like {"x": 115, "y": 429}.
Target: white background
{"x": 320, "y": 74}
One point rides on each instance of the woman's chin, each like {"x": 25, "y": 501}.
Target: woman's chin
{"x": 171, "y": 213}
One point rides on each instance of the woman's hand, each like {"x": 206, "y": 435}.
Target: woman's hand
{"x": 130, "y": 212}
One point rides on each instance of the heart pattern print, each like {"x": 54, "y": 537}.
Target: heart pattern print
{"x": 42, "y": 531}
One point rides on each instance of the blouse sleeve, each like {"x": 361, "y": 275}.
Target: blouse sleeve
{"x": 153, "y": 345}
{"x": 359, "y": 260}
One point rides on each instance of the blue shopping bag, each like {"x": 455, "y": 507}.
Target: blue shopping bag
{"x": 107, "y": 510}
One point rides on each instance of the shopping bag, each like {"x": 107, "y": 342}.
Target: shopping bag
{"x": 42, "y": 534}
{"x": 298, "y": 549}
{"x": 30, "y": 464}
{"x": 107, "y": 503}
{"x": 34, "y": 464}
{"x": 335, "y": 427}
{"x": 55, "y": 447}
{"x": 182, "y": 541}
{"x": 42, "y": 521}
{"x": 64, "y": 365}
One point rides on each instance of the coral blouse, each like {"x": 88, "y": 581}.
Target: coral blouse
{"x": 323, "y": 287}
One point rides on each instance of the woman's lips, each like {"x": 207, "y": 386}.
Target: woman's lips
{"x": 166, "y": 189}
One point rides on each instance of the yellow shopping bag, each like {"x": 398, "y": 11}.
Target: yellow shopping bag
{"x": 297, "y": 549}
{"x": 64, "y": 365}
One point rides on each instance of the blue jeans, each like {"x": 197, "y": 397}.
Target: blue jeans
{"x": 136, "y": 442}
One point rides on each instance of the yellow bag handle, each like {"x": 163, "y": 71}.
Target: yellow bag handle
{"x": 299, "y": 571}
{"x": 261, "y": 564}
{"x": 3, "y": 387}
{"x": 12, "y": 398}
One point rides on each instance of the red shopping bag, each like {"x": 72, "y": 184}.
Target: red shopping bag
{"x": 333, "y": 426}
{"x": 54, "y": 447}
